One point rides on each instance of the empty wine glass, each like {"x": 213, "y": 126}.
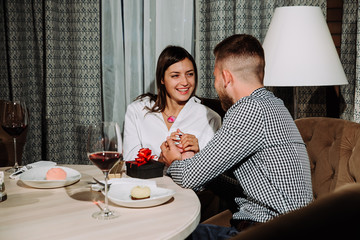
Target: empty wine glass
{"x": 14, "y": 121}
{"x": 104, "y": 149}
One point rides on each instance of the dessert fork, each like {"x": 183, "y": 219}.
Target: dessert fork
{"x": 20, "y": 171}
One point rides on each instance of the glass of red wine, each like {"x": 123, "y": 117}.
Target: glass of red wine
{"x": 104, "y": 149}
{"x": 14, "y": 121}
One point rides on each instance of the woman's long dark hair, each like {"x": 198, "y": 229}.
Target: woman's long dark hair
{"x": 169, "y": 56}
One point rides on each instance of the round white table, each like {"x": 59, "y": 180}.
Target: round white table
{"x": 65, "y": 213}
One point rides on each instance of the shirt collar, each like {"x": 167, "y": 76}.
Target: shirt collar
{"x": 259, "y": 92}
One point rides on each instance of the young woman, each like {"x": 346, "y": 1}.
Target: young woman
{"x": 174, "y": 111}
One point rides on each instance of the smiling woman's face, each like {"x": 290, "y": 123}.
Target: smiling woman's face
{"x": 179, "y": 81}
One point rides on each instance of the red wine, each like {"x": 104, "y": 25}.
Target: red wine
{"x": 14, "y": 131}
{"x": 105, "y": 160}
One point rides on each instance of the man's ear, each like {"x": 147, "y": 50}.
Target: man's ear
{"x": 227, "y": 76}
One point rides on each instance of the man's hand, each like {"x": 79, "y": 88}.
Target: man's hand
{"x": 169, "y": 152}
{"x": 189, "y": 143}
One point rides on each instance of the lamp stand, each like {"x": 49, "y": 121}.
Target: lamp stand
{"x": 295, "y": 94}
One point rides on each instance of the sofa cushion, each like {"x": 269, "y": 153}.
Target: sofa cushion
{"x": 333, "y": 146}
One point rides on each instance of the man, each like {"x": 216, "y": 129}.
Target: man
{"x": 258, "y": 142}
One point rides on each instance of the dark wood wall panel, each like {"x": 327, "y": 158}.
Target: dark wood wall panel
{"x": 334, "y": 20}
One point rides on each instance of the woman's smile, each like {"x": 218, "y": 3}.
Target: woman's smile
{"x": 183, "y": 90}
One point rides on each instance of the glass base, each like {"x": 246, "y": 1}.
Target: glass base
{"x": 12, "y": 169}
{"x": 105, "y": 215}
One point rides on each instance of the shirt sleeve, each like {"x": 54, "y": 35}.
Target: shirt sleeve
{"x": 240, "y": 136}
{"x": 132, "y": 141}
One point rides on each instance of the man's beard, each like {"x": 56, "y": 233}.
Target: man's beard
{"x": 226, "y": 101}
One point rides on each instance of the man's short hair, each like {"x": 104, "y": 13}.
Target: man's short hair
{"x": 239, "y": 45}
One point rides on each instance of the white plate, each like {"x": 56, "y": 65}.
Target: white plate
{"x": 36, "y": 177}
{"x": 120, "y": 194}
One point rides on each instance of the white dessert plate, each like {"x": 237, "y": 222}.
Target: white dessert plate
{"x": 36, "y": 177}
{"x": 131, "y": 181}
{"x": 120, "y": 195}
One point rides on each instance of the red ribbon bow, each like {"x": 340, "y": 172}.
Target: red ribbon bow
{"x": 143, "y": 157}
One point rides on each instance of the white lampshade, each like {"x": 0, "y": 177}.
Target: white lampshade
{"x": 299, "y": 50}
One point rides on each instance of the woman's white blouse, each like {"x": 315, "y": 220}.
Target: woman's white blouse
{"x": 144, "y": 129}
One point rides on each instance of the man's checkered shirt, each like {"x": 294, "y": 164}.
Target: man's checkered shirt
{"x": 262, "y": 146}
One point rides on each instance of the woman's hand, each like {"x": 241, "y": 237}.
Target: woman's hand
{"x": 176, "y": 137}
{"x": 187, "y": 144}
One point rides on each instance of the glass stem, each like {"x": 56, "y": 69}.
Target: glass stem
{"x": 106, "y": 209}
{"x": 16, "y": 165}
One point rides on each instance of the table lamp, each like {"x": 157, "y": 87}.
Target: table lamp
{"x": 299, "y": 51}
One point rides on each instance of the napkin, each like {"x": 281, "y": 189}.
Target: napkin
{"x": 127, "y": 181}
{"x": 41, "y": 163}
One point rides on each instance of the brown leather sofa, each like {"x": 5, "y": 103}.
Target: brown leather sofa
{"x": 333, "y": 146}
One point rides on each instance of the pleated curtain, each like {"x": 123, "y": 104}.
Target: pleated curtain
{"x": 51, "y": 58}
{"x": 350, "y": 58}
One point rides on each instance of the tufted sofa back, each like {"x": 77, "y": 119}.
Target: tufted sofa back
{"x": 333, "y": 146}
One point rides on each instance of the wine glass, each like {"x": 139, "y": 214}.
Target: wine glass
{"x": 104, "y": 149}
{"x": 14, "y": 121}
